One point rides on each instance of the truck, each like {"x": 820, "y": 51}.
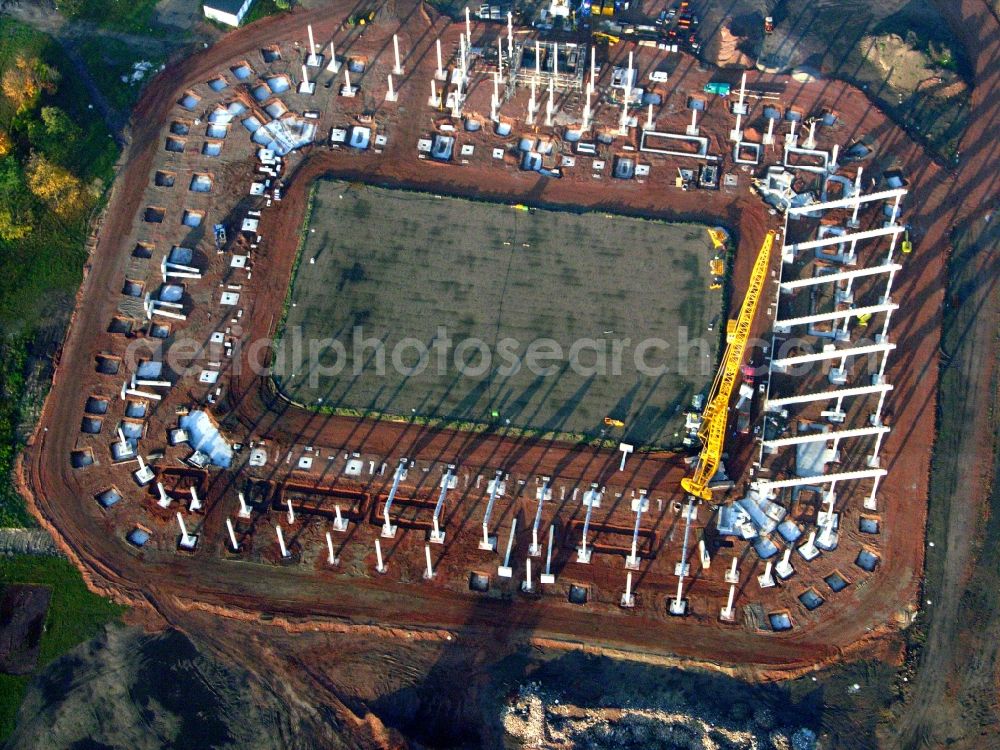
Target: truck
{"x": 718, "y": 87}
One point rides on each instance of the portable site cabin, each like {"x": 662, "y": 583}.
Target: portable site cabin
{"x": 229, "y": 12}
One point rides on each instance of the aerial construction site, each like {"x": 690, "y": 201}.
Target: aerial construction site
{"x": 460, "y": 328}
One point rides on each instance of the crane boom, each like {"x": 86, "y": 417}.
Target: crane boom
{"x": 712, "y": 432}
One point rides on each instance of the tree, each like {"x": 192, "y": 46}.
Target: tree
{"x": 25, "y": 80}
{"x": 12, "y": 228}
{"x": 5, "y": 143}
{"x": 56, "y": 135}
{"x": 16, "y": 216}
{"x": 56, "y": 186}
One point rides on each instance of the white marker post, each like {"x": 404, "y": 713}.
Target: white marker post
{"x": 692, "y": 129}
{"x": 500, "y": 57}
{"x": 504, "y": 571}
{"x": 532, "y": 104}
{"x": 808, "y": 550}
{"x": 388, "y": 529}
{"x": 164, "y": 501}
{"x": 281, "y": 542}
{"x": 244, "y": 508}
{"x": 527, "y": 586}
{"x": 195, "y": 502}
{"x": 312, "y": 59}
{"x": 307, "y": 86}
{"x": 632, "y": 561}
{"x": 583, "y": 554}
{"x": 187, "y": 540}
{"x": 765, "y": 579}
{"x": 625, "y": 449}
{"x": 429, "y": 572}
{"x": 535, "y": 550}
{"x": 853, "y": 221}
{"x": 333, "y": 66}
{"x": 434, "y": 102}
{"x": 628, "y": 598}
{"x": 510, "y": 35}
{"x": 547, "y": 576}
{"x": 439, "y": 72}
{"x": 489, "y": 543}
{"x": 550, "y": 104}
{"x": 232, "y": 535}
{"x": 586, "y": 113}
{"x": 468, "y": 24}
{"x": 391, "y": 95}
{"x": 339, "y": 522}
{"x": 592, "y": 85}
{"x": 784, "y": 567}
{"x": 398, "y": 70}
{"x": 437, "y": 536}
{"x": 649, "y": 118}
{"x": 331, "y": 559}
{"x": 291, "y": 511}
{"x": 810, "y": 142}
{"x": 769, "y": 135}
{"x": 733, "y": 575}
{"x": 727, "y": 614}
{"x": 380, "y": 565}
{"x": 736, "y": 134}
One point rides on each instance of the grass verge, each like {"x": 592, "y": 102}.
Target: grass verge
{"x": 75, "y": 615}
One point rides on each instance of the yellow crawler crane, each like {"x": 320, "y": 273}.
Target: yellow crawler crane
{"x": 712, "y": 433}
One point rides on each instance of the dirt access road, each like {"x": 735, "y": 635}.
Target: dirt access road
{"x": 954, "y": 699}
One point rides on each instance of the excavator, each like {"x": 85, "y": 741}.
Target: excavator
{"x": 714, "y": 418}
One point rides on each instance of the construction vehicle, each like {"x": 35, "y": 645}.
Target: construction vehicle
{"x": 769, "y": 25}
{"x": 717, "y": 268}
{"x": 361, "y": 18}
{"x": 712, "y": 433}
{"x": 612, "y": 422}
{"x": 719, "y": 237}
{"x": 907, "y": 246}
{"x": 603, "y": 36}
{"x": 717, "y": 87}
{"x": 863, "y": 320}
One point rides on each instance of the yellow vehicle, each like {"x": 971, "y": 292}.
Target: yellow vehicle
{"x": 730, "y": 331}
{"x": 717, "y": 266}
{"x": 719, "y": 237}
{"x": 907, "y": 247}
{"x": 600, "y": 36}
{"x": 361, "y": 18}
{"x": 863, "y": 320}
{"x": 612, "y": 422}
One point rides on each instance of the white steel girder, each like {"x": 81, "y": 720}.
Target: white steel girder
{"x": 765, "y": 485}
{"x": 855, "y": 351}
{"x": 841, "y": 276}
{"x": 843, "y": 239}
{"x": 836, "y": 315}
{"x": 803, "y": 398}
{"x": 848, "y": 202}
{"x": 817, "y": 437}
